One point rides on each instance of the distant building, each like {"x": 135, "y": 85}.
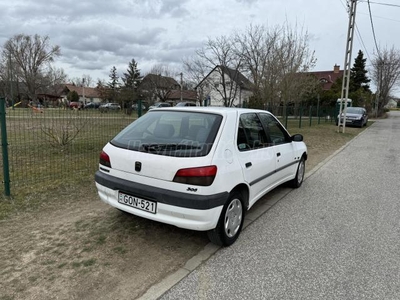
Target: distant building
{"x": 187, "y": 96}
{"x": 328, "y": 78}
{"x": 211, "y": 87}
{"x": 392, "y": 103}
{"x": 86, "y": 94}
{"x": 157, "y": 88}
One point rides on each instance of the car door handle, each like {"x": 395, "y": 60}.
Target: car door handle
{"x": 248, "y": 165}
{"x": 278, "y": 154}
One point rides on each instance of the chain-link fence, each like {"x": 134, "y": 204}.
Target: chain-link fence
{"x": 49, "y": 147}
{"x": 52, "y": 146}
{"x": 299, "y": 116}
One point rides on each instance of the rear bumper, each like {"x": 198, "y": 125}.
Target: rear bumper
{"x": 352, "y": 122}
{"x": 194, "y": 212}
{"x": 160, "y": 195}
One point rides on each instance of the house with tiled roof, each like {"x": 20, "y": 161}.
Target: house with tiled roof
{"x": 185, "y": 96}
{"x": 161, "y": 82}
{"x": 156, "y": 87}
{"x": 86, "y": 94}
{"x": 328, "y": 78}
{"x": 222, "y": 82}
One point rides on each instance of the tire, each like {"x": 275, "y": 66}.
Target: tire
{"x": 298, "y": 180}
{"x": 230, "y": 222}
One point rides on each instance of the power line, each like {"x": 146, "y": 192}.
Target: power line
{"x": 372, "y": 26}
{"x": 358, "y": 34}
{"x": 362, "y": 42}
{"x": 379, "y": 17}
{"x": 381, "y": 3}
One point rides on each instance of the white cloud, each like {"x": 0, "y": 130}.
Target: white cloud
{"x": 95, "y": 35}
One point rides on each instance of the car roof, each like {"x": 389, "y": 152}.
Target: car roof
{"x": 211, "y": 109}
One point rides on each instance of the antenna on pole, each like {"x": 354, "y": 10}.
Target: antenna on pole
{"x": 347, "y": 61}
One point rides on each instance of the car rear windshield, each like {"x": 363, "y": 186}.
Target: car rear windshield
{"x": 171, "y": 133}
{"x": 355, "y": 110}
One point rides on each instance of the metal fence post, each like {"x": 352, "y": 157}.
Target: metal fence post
{"x": 319, "y": 115}
{"x": 4, "y": 147}
{"x": 139, "y": 108}
{"x": 301, "y": 112}
{"x": 286, "y": 116}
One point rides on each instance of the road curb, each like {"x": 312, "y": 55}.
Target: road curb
{"x": 158, "y": 289}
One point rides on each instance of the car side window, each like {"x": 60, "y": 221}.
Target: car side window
{"x": 275, "y": 132}
{"x": 251, "y": 134}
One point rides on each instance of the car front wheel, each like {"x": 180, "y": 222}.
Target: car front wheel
{"x": 230, "y": 221}
{"x": 298, "y": 180}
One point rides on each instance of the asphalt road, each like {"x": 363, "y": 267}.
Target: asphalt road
{"x": 337, "y": 237}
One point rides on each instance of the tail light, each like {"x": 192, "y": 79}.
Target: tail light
{"x": 203, "y": 176}
{"x": 105, "y": 159}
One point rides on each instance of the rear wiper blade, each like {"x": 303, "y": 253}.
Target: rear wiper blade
{"x": 151, "y": 147}
{"x": 161, "y": 147}
{"x": 185, "y": 146}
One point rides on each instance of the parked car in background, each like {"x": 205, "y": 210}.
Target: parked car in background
{"x": 199, "y": 169}
{"x": 135, "y": 106}
{"x": 75, "y": 105}
{"x": 180, "y": 104}
{"x": 355, "y": 116}
{"x": 91, "y": 105}
{"x": 159, "y": 105}
{"x": 109, "y": 107}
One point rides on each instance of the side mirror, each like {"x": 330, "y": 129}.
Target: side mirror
{"x": 297, "y": 138}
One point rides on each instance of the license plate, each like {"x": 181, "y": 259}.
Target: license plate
{"x": 135, "y": 202}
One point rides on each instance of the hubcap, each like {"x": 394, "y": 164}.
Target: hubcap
{"x": 233, "y": 217}
{"x": 300, "y": 174}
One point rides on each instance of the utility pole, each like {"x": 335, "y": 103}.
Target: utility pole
{"x": 83, "y": 91}
{"x": 10, "y": 76}
{"x": 381, "y": 65}
{"x": 347, "y": 61}
{"x": 181, "y": 84}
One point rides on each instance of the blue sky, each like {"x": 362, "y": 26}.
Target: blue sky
{"x": 96, "y": 35}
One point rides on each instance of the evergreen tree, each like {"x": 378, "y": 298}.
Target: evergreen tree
{"x": 358, "y": 74}
{"x": 131, "y": 80}
{"x": 132, "y": 76}
{"x": 113, "y": 84}
{"x": 73, "y": 96}
{"x": 114, "y": 79}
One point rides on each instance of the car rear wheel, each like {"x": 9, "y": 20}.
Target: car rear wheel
{"x": 298, "y": 180}
{"x": 230, "y": 221}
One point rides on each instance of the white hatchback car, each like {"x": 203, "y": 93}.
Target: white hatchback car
{"x": 199, "y": 168}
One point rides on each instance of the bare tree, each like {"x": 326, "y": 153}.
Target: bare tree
{"x": 385, "y": 74}
{"x": 274, "y": 59}
{"x": 195, "y": 72}
{"x": 9, "y": 83}
{"x": 32, "y": 57}
{"x": 102, "y": 89}
{"x": 84, "y": 81}
{"x": 294, "y": 60}
{"x": 53, "y": 79}
{"x": 220, "y": 56}
{"x": 256, "y": 45}
{"x": 159, "y": 83}
{"x": 87, "y": 80}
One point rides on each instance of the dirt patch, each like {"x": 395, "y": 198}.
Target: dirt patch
{"x": 88, "y": 250}
{"x": 76, "y": 247}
